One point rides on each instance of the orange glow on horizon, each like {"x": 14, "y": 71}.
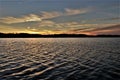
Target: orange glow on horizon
{"x": 49, "y": 32}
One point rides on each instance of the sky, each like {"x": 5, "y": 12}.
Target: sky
{"x": 91, "y": 17}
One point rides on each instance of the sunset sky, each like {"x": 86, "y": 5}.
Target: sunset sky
{"x": 60, "y": 16}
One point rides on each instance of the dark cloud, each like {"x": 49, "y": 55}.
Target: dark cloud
{"x": 114, "y": 29}
{"x": 107, "y": 28}
{"x": 113, "y": 18}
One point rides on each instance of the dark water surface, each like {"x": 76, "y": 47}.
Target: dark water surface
{"x": 60, "y": 59}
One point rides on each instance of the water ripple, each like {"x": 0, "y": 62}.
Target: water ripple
{"x": 60, "y": 59}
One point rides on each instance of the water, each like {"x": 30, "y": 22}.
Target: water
{"x": 60, "y": 59}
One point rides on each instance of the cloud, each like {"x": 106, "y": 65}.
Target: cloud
{"x": 43, "y": 16}
{"x": 113, "y": 18}
{"x": 67, "y": 26}
{"x": 76, "y": 11}
{"x": 67, "y": 12}
{"x": 111, "y": 29}
{"x": 31, "y": 17}
{"x": 107, "y": 28}
{"x": 49, "y": 15}
{"x": 46, "y": 23}
{"x": 54, "y": 26}
{"x": 50, "y": 27}
{"x": 11, "y": 29}
{"x": 28, "y": 18}
{"x": 106, "y": 19}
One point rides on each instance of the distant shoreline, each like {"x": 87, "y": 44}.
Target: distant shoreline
{"x": 25, "y": 35}
{"x": 59, "y": 37}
